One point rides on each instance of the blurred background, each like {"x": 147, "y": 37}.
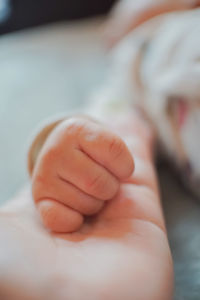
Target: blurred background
{"x": 19, "y": 14}
{"x": 51, "y": 59}
{"x": 45, "y": 70}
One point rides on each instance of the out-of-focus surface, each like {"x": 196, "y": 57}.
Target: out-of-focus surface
{"x": 42, "y": 72}
{"x": 52, "y": 70}
{"x": 183, "y": 222}
{"x": 20, "y": 14}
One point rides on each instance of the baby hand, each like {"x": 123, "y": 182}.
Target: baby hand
{"x": 78, "y": 169}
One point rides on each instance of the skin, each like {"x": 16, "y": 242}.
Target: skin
{"x": 120, "y": 253}
{"x": 128, "y": 14}
{"x": 78, "y": 170}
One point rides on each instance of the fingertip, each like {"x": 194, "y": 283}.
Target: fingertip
{"x": 58, "y": 217}
{"x": 127, "y": 166}
{"x": 121, "y": 161}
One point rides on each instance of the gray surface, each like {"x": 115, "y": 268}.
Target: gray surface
{"x": 54, "y": 69}
{"x": 42, "y": 72}
{"x": 182, "y": 214}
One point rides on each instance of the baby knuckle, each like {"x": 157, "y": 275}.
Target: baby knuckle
{"x": 74, "y": 125}
{"x": 49, "y": 217}
{"x": 50, "y": 156}
{"x": 97, "y": 183}
{"x": 116, "y": 147}
{"x": 40, "y": 185}
{"x": 95, "y": 208}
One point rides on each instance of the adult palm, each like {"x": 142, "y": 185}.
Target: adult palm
{"x": 122, "y": 253}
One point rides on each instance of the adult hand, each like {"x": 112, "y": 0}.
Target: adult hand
{"x": 122, "y": 253}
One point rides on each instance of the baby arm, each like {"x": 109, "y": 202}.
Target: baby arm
{"x": 79, "y": 168}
